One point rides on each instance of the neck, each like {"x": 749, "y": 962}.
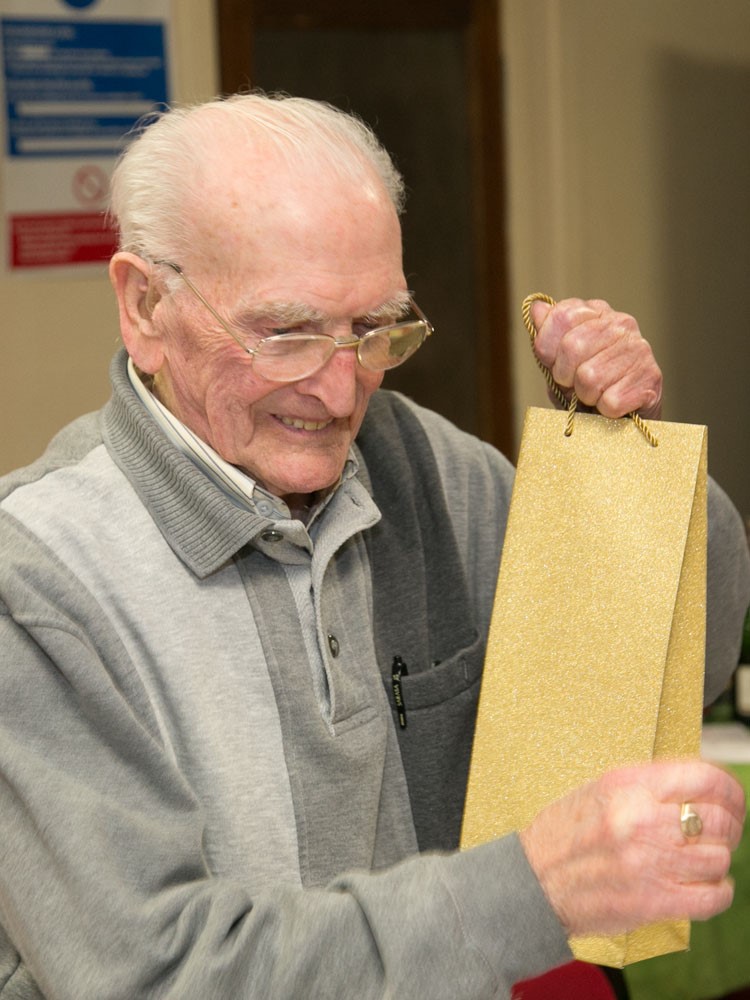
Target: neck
{"x": 300, "y": 505}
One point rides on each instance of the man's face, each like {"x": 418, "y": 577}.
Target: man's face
{"x": 333, "y": 248}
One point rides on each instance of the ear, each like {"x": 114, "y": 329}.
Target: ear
{"x": 136, "y": 299}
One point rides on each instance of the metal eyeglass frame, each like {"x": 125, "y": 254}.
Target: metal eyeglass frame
{"x": 256, "y": 351}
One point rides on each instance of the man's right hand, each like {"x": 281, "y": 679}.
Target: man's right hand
{"x": 611, "y": 856}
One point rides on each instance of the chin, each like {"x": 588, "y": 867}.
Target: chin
{"x": 313, "y": 482}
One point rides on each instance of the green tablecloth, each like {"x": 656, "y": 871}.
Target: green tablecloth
{"x": 718, "y": 961}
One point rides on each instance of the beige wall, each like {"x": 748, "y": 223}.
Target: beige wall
{"x": 57, "y": 335}
{"x": 629, "y": 179}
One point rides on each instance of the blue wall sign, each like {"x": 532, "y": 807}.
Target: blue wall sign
{"x": 75, "y": 88}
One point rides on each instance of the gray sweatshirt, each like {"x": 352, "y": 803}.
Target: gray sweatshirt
{"x": 204, "y": 787}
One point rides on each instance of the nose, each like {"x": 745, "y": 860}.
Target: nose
{"x": 335, "y": 384}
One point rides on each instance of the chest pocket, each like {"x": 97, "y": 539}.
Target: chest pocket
{"x": 423, "y": 616}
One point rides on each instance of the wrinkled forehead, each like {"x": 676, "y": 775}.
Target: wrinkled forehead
{"x": 254, "y": 197}
{"x": 248, "y": 164}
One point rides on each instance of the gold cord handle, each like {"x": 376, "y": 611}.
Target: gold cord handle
{"x": 569, "y": 404}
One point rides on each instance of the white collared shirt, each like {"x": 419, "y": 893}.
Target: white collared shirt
{"x": 233, "y": 482}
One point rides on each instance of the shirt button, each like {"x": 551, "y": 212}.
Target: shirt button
{"x": 265, "y": 508}
{"x": 271, "y": 536}
{"x": 333, "y": 645}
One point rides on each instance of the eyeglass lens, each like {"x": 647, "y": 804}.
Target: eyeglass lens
{"x": 290, "y": 357}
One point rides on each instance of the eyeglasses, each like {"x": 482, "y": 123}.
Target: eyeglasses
{"x": 289, "y": 357}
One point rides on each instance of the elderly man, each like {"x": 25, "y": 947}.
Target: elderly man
{"x": 205, "y": 790}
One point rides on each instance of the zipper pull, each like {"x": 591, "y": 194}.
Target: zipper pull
{"x": 398, "y": 670}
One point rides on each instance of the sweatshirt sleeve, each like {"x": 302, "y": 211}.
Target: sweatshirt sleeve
{"x": 105, "y": 891}
{"x": 728, "y": 590}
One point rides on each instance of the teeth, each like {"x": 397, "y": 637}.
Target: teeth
{"x": 305, "y": 425}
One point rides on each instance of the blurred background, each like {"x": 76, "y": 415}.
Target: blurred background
{"x": 564, "y": 146}
{"x": 574, "y": 147}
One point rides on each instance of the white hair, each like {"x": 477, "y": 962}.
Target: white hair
{"x": 160, "y": 172}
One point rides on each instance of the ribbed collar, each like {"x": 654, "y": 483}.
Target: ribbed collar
{"x": 203, "y": 524}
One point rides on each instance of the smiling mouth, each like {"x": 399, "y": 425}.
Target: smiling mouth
{"x": 305, "y": 425}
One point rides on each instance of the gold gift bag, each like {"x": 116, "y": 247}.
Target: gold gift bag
{"x": 596, "y": 647}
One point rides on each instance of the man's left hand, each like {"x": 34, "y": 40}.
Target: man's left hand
{"x": 600, "y": 354}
